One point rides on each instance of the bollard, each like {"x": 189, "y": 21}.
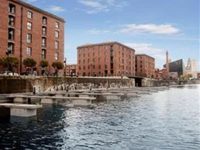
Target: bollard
{"x": 34, "y": 90}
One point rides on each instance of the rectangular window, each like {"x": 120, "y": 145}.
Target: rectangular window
{"x": 44, "y": 20}
{"x": 56, "y": 55}
{"x": 56, "y": 44}
{"x": 11, "y": 34}
{"x": 44, "y": 31}
{"x": 29, "y": 15}
{"x": 29, "y": 38}
{"x": 56, "y": 34}
{"x": 11, "y": 8}
{"x": 29, "y": 51}
{"x": 43, "y": 54}
{"x": 44, "y": 42}
{"x": 29, "y": 25}
{"x": 10, "y": 48}
{"x": 11, "y": 21}
{"x": 57, "y": 25}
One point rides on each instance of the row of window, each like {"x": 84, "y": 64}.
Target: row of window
{"x": 44, "y": 41}
{"x": 43, "y": 53}
{"x": 12, "y": 10}
{"x": 44, "y": 30}
{"x": 88, "y": 54}
{"x": 11, "y": 33}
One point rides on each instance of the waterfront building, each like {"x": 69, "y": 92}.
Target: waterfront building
{"x": 71, "y": 70}
{"x": 27, "y": 31}
{"x": 144, "y": 66}
{"x": 198, "y": 75}
{"x": 158, "y": 74}
{"x": 191, "y": 68}
{"x": 106, "y": 59}
{"x": 177, "y": 66}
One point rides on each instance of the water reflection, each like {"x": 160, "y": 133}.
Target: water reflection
{"x": 163, "y": 120}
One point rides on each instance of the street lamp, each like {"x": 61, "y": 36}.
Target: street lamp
{"x": 65, "y": 62}
{"x": 9, "y": 67}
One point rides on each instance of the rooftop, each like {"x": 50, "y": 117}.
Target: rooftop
{"x": 37, "y": 9}
{"x": 104, "y": 43}
{"x": 144, "y": 55}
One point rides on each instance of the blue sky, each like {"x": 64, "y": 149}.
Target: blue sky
{"x": 149, "y": 26}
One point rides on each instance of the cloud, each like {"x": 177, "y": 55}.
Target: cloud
{"x": 96, "y": 6}
{"x": 163, "y": 29}
{"x": 56, "y": 8}
{"x": 30, "y": 1}
{"x": 97, "y": 32}
{"x": 146, "y": 48}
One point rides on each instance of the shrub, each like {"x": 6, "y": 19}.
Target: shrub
{"x": 29, "y": 62}
{"x": 44, "y": 63}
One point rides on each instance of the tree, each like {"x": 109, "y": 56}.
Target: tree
{"x": 29, "y": 63}
{"x": 43, "y": 65}
{"x": 1, "y": 62}
{"x": 57, "y": 66}
{"x": 10, "y": 63}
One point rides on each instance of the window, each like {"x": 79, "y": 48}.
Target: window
{"x": 29, "y": 25}
{"x": 29, "y": 15}
{"x": 56, "y": 55}
{"x": 44, "y": 31}
{"x": 11, "y": 34}
{"x": 44, "y": 20}
{"x": 11, "y": 21}
{"x": 11, "y": 8}
{"x": 56, "y": 44}
{"x": 43, "y": 54}
{"x": 57, "y": 25}
{"x": 10, "y": 48}
{"x": 29, "y": 51}
{"x": 44, "y": 42}
{"x": 29, "y": 38}
{"x": 56, "y": 34}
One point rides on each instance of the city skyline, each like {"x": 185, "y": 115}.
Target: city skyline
{"x": 144, "y": 26}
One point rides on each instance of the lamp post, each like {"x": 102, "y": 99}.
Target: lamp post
{"x": 65, "y": 62}
{"x": 8, "y": 52}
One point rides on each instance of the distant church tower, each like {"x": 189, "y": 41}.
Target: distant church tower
{"x": 167, "y": 64}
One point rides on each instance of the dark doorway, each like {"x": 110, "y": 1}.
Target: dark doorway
{"x": 138, "y": 82}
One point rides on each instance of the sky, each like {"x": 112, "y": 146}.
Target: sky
{"x": 149, "y": 26}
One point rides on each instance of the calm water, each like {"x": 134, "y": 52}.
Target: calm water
{"x": 167, "y": 119}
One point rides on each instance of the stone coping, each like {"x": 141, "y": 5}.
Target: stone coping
{"x": 52, "y": 97}
{"x": 25, "y": 106}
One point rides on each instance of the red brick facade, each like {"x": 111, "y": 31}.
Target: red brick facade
{"x": 71, "y": 69}
{"x": 18, "y": 19}
{"x": 145, "y": 66}
{"x": 106, "y": 59}
{"x": 198, "y": 75}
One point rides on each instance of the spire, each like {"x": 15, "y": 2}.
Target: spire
{"x": 167, "y": 63}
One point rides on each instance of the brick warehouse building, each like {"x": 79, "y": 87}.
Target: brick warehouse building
{"x": 106, "y": 59}
{"x": 27, "y": 31}
{"x": 71, "y": 69}
{"x": 144, "y": 66}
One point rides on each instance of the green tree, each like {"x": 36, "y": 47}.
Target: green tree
{"x": 43, "y": 65}
{"x": 29, "y": 63}
{"x": 9, "y": 63}
{"x": 1, "y": 62}
{"x": 57, "y": 66}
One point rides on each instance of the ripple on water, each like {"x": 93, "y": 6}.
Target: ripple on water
{"x": 163, "y": 120}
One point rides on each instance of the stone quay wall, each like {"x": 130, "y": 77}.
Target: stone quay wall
{"x": 14, "y": 85}
{"x": 41, "y": 84}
